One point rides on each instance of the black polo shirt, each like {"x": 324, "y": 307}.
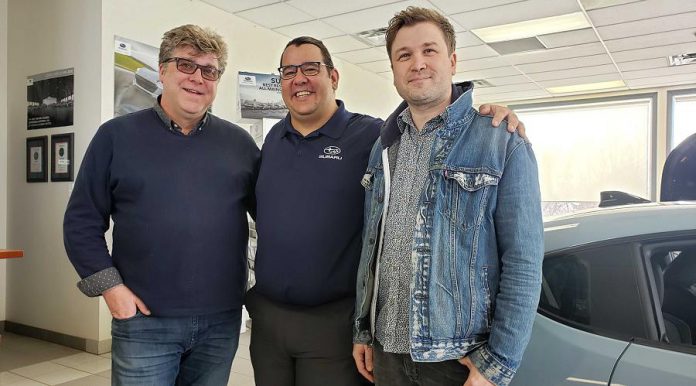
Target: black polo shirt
{"x": 310, "y": 208}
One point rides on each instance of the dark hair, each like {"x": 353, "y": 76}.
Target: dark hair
{"x": 415, "y": 15}
{"x": 302, "y": 40}
{"x": 203, "y": 40}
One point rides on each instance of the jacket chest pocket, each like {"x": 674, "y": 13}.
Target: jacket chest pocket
{"x": 466, "y": 195}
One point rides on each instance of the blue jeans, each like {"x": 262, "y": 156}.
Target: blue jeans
{"x": 191, "y": 350}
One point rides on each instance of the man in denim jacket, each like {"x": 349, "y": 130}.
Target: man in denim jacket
{"x": 450, "y": 270}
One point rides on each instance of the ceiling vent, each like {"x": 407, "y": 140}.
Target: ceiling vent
{"x": 680, "y": 60}
{"x": 482, "y": 83}
{"x": 373, "y": 37}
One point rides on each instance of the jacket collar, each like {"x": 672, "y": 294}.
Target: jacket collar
{"x": 463, "y": 91}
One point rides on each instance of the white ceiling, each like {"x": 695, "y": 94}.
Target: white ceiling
{"x": 629, "y": 41}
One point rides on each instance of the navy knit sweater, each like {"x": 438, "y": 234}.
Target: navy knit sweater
{"x": 179, "y": 206}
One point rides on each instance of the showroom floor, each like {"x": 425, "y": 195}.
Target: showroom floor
{"x": 31, "y": 362}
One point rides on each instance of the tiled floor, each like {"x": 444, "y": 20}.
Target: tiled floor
{"x": 31, "y": 362}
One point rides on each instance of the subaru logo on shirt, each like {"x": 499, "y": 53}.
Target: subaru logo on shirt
{"x": 331, "y": 152}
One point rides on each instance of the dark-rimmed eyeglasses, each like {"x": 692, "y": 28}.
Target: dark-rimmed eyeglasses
{"x": 189, "y": 67}
{"x": 307, "y": 68}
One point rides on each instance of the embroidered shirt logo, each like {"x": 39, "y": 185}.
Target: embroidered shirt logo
{"x": 331, "y": 152}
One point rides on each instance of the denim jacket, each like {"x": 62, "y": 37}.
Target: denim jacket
{"x": 478, "y": 243}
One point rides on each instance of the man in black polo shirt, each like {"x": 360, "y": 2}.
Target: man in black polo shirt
{"x": 309, "y": 224}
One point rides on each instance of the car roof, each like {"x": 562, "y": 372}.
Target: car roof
{"x": 601, "y": 224}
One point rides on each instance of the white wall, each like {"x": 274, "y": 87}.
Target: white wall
{"x": 251, "y": 48}
{"x": 45, "y": 36}
{"x": 3, "y": 150}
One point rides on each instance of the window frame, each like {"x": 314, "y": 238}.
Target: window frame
{"x": 671, "y": 95}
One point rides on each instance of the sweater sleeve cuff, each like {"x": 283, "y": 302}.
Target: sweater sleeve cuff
{"x": 97, "y": 283}
{"x": 490, "y": 367}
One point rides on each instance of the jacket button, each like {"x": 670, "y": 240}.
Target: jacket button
{"x": 380, "y": 199}
{"x": 371, "y": 241}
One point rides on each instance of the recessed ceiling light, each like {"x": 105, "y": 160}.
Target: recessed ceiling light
{"x": 586, "y": 87}
{"x": 531, "y": 28}
{"x": 680, "y": 60}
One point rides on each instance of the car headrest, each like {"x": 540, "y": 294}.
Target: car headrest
{"x": 682, "y": 271}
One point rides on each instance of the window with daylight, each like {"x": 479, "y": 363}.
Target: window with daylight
{"x": 682, "y": 105}
{"x": 586, "y": 147}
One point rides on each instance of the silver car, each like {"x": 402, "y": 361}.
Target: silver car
{"x": 618, "y": 300}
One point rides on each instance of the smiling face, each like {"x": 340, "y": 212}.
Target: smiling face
{"x": 309, "y": 98}
{"x": 422, "y": 66}
{"x": 185, "y": 98}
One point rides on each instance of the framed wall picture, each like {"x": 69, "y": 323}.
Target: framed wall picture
{"x": 62, "y": 157}
{"x": 37, "y": 159}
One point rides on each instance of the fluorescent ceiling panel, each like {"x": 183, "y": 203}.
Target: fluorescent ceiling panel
{"x": 614, "y": 84}
{"x": 531, "y": 28}
{"x": 516, "y": 12}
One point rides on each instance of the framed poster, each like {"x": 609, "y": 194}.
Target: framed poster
{"x": 260, "y": 96}
{"x": 37, "y": 159}
{"x": 62, "y": 157}
{"x": 136, "y": 76}
{"x": 50, "y": 99}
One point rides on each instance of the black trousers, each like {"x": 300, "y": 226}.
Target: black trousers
{"x": 400, "y": 370}
{"x": 302, "y": 346}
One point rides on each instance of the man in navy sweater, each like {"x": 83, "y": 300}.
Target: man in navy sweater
{"x": 309, "y": 223}
{"x": 178, "y": 183}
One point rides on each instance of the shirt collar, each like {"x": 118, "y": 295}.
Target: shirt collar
{"x": 333, "y": 128}
{"x": 406, "y": 121}
{"x": 173, "y": 126}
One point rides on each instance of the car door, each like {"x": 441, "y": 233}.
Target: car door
{"x": 594, "y": 301}
{"x": 646, "y": 364}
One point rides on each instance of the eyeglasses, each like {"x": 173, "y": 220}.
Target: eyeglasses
{"x": 189, "y": 67}
{"x": 307, "y": 68}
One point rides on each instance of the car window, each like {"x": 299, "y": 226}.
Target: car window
{"x": 597, "y": 289}
{"x": 674, "y": 274}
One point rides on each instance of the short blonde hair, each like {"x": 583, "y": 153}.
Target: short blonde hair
{"x": 203, "y": 40}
